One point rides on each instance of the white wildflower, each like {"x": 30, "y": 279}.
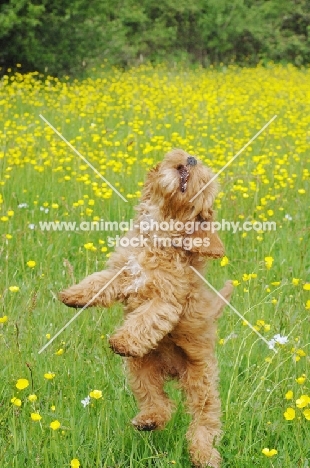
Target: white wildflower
{"x": 86, "y": 401}
{"x": 282, "y": 340}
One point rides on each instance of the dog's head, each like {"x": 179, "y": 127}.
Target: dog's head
{"x": 181, "y": 188}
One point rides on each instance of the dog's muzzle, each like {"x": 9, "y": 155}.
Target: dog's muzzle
{"x": 184, "y": 176}
{"x": 184, "y": 172}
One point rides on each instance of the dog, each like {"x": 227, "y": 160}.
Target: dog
{"x": 169, "y": 330}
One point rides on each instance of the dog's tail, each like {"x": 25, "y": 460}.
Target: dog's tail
{"x": 223, "y": 298}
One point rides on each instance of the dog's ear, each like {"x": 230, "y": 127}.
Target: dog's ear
{"x": 216, "y": 247}
{"x": 202, "y": 206}
{"x": 204, "y": 240}
{"x": 149, "y": 185}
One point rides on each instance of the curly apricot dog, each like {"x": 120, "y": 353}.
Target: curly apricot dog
{"x": 169, "y": 329}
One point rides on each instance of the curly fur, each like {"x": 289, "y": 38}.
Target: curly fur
{"x": 169, "y": 330}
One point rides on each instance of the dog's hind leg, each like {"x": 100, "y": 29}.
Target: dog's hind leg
{"x": 200, "y": 385}
{"x": 147, "y": 378}
{"x": 199, "y": 382}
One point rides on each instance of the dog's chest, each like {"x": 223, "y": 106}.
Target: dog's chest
{"x": 137, "y": 275}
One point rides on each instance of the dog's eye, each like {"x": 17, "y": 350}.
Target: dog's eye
{"x": 179, "y": 167}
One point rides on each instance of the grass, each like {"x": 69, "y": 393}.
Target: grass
{"x": 123, "y": 122}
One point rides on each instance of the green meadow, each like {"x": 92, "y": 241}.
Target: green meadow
{"x": 123, "y": 122}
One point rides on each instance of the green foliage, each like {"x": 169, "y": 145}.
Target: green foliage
{"x": 58, "y": 37}
{"x": 65, "y": 37}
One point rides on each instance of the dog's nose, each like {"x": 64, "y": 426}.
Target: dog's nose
{"x": 191, "y": 161}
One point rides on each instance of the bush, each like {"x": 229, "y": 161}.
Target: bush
{"x": 65, "y": 37}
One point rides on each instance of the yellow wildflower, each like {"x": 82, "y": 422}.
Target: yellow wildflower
{"x": 16, "y": 401}
{"x": 96, "y": 394}
{"x": 290, "y": 414}
{"x": 268, "y": 262}
{"x": 49, "y": 375}
{"x": 306, "y": 414}
{"x": 75, "y": 463}
{"x": 21, "y": 384}
{"x": 32, "y": 398}
{"x": 269, "y": 453}
{"x": 301, "y": 380}
{"x": 90, "y": 246}
{"x": 303, "y": 401}
{"x": 55, "y": 425}
{"x": 289, "y": 395}
{"x": 36, "y": 417}
{"x": 224, "y": 261}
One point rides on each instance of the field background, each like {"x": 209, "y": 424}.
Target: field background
{"x": 123, "y": 122}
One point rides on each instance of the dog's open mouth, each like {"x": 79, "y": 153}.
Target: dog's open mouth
{"x": 184, "y": 172}
{"x": 184, "y": 176}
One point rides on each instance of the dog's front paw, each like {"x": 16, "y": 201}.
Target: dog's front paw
{"x": 202, "y": 450}
{"x": 153, "y": 418}
{"x": 147, "y": 425}
{"x": 205, "y": 457}
{"x": 124, "y": 345}
{"x": 72, "y": 299}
